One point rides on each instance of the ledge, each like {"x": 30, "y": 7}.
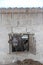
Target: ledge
{"x": 20, "y": 10}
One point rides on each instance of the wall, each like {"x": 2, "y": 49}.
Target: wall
{"x": 20, "y": 23}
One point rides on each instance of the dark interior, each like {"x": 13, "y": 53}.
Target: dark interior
{"x": 20, "y": 42}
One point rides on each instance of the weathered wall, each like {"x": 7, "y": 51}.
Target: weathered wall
{"x": 32, "y": 23}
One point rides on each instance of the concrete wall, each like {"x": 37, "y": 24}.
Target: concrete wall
{"x": 20, "y": 23}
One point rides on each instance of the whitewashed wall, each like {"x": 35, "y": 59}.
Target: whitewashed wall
{"x": 20, "y": 22}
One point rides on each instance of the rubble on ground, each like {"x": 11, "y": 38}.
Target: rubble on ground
{"x": 26, "y": 62}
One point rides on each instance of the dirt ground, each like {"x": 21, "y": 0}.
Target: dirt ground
{"x": 26, "y": 62}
